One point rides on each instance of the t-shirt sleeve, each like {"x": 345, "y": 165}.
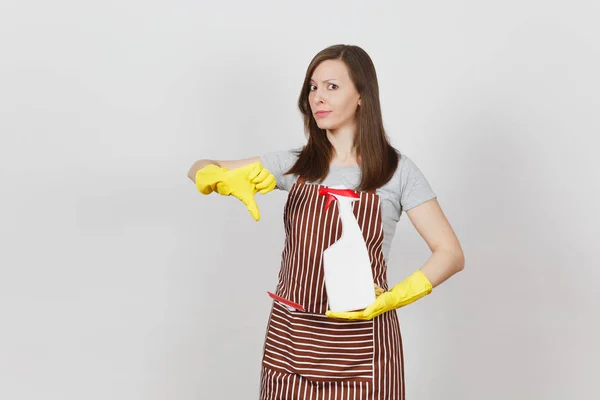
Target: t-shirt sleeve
{"x": 278, "y": 163}
{"x": 414, "y": 187}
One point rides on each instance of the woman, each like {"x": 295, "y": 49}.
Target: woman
{"x": 317, "y": 353}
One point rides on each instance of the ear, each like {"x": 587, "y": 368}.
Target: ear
{"x": 359, "y": 101}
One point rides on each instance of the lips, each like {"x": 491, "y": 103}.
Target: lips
{"x": 322, "y": 113}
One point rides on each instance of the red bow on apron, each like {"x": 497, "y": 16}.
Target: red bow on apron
{"x": 327, "y": 191}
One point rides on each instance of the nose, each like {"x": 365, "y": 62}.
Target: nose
{"x": 318, "y": 98}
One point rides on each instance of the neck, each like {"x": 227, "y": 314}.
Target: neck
{"x": 342, "y": 140}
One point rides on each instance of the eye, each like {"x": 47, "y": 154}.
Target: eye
{"x": 310, "y": 87}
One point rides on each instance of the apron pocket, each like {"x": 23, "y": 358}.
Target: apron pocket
{"x": 317, "y": 347}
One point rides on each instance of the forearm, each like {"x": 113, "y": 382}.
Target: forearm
{"x": 442, "y": 264}
{"x": 198, "y": 165}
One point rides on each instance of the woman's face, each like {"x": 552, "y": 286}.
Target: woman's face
{"x": 332, "y": 91}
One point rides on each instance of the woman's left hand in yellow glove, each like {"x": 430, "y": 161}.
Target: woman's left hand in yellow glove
{"x": 410, "y": 289}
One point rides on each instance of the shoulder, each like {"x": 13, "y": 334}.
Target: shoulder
{"x": 414, "y": 186}
{"x": 408, "y": 187}
{"x": 278, "y": 163}
{"x": 280, "y": 157}
{"x": 406, "y": 167}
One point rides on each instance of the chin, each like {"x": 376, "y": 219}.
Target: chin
{"x": 325, "y": 125}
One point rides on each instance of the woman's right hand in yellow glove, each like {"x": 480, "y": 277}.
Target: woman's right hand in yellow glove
{"x": 243, "y": 183}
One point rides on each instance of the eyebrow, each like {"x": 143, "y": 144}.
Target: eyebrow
{"x": 326, "y": 80}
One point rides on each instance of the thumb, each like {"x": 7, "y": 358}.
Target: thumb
{"x": 250, "y": 203}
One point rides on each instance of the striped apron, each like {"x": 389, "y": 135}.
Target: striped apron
{"x": 307, "y": 355}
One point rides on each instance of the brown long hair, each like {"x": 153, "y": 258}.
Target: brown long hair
{"x": 378, "y": 159}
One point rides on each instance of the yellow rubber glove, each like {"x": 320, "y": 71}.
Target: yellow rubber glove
{"x": 410, "y": 289}
{"x": 243, "y": 183}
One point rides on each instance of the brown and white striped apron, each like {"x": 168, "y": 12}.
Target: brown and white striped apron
{"x": 307, "y": 355}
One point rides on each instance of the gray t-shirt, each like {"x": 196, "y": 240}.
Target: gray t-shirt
{"x": 407, "y": 189}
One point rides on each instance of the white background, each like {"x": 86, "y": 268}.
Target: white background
{"x": 120, "y": 281}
